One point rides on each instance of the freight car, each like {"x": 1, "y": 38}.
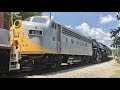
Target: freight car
{"x": 42, "y": 42}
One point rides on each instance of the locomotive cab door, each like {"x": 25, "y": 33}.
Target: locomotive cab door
{"x": 58, "y": 38}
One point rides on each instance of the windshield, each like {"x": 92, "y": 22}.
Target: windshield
{"x": 39, "y": 20}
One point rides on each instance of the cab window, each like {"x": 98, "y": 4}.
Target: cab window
{"x": 39, "y": 20}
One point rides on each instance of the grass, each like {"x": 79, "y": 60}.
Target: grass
{"x": 116, "y": 64}
{"x": 117, "y": 73}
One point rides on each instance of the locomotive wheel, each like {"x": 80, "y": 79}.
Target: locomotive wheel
{"x": 86, "y": 59}
{"x": 97, "y": 58}
{"x": 58, "y": 61}
{"x": 82, "y": 60}
{"x": 55, "y": 61}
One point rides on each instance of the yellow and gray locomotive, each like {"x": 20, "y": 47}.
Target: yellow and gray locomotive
{"x": 42, "y": 42}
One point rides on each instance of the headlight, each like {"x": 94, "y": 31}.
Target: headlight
{"x": 17, "y": 23}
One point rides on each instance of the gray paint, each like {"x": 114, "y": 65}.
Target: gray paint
{"x": 46, "y": 40}
{"x": 68, "y": 47}
{"x": 4, "y": 37}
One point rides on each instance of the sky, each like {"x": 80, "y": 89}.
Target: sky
{"x": 91, "y": 24}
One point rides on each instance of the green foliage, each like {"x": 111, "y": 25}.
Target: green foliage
{"x": 115, "y": 35}
{"x": 116, "y": 51}
{"x": 116, "y": 64}
{"x": 117, "y": 73}
{"x": 29, "y": 14}
{"x": 6, "y": 18}
{"x": 116, "y": 42}
{"x": 115, "y": 32}
{"x": 18, "y": 15}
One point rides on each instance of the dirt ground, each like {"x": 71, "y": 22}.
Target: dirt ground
{"x": 101, "y": 70}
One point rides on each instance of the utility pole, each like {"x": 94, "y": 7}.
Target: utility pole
{"x": 50, "y": 15}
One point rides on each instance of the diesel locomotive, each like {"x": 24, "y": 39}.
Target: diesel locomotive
{"x": 42, "y": 42}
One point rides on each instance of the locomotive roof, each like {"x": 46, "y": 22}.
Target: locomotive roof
{"x": 72, "y": 30}
{"x": 48, "y": 18}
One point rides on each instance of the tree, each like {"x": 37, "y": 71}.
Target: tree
{"x": 18, "y": 15}
{"x": 29, "y": 14}
{"x": 115, "y": 35}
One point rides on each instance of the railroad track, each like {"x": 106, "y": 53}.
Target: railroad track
{"x": 47, "y": 71}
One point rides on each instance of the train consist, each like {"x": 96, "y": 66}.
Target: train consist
{"x": 42, "y": 42}
{"x": 39, "y": 42}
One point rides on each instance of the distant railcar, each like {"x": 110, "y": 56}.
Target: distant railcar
{"x": 8, "y": 62}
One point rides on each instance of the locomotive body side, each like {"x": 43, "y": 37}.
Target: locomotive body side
{"x": 42, "y": 38}
{"x": 75, "y": 44}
